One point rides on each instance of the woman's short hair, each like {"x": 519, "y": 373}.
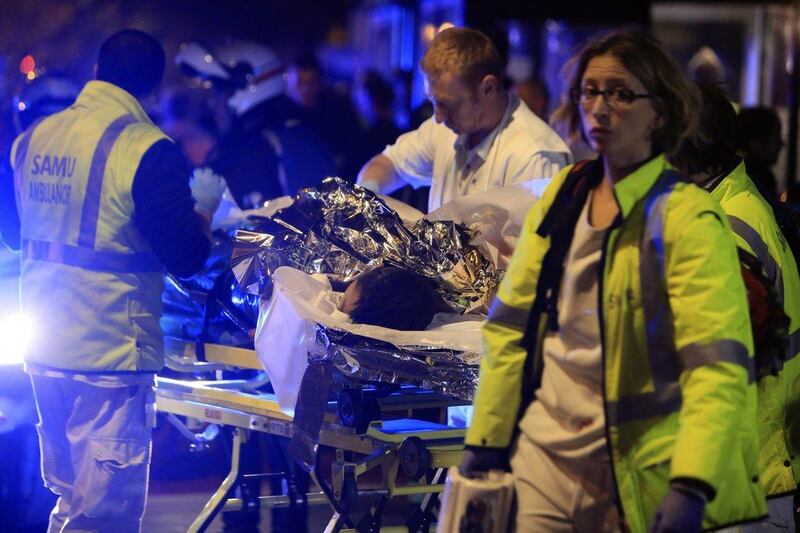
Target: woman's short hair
{"x": 675, "y": 98}
{"x": 469, "y": 54}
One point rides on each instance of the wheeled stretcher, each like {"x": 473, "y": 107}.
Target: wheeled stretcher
{"x": 371, "y": 430}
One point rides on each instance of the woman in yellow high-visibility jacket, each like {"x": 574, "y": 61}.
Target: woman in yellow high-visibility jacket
{"x": 617, "y": 373}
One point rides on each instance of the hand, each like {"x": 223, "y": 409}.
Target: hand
{"x": 207, "y": 189}
{"x": 679, "y": 512}
{"x": 478, "y": 460}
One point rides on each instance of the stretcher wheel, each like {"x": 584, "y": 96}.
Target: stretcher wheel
{"x": 355, "y": 411}
{"x": 415, "y": 459}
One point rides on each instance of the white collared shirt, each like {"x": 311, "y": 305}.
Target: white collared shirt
{"x": 522, "y": 148}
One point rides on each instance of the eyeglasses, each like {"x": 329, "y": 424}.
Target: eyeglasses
{"x": 616, "y": 97}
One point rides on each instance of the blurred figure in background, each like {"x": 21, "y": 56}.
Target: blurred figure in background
{"x": 374, "y": 99}
{"x": 330, "y": 115}
{"x": 269, "y": 151}
{"x": 761, "y": 145}
{"x": 534, "y": 93}
{"x": 190, "y": 123}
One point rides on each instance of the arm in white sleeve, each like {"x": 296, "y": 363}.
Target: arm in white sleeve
{"x": 410, "y": 157}
{"x": 379, "y": 175}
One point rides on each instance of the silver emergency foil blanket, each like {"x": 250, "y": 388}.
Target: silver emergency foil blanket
{"x": 341, "y": 359}
{"x": 342, "y": 229}
{"x": 367, "y": 360}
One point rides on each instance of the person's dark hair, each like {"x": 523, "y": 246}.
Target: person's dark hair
{"x": 132, "y": 60}
{"x": 396, "y": 298}
{"x": 757, "y": 123}
{"x": 713, "y": 147}
{"x": 379, "y": 90}
{"x": 675, "y": 98}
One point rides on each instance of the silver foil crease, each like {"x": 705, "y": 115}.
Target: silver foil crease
{"x": 341, "y": 230}
{"x": 339, "y": 359}
{"x": 365, "y": 360}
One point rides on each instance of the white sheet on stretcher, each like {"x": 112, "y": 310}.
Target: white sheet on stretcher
{"x": 286, "y": 323}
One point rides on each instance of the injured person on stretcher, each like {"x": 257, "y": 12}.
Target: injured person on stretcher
{"x": 302, "y": 323}
{"x": 336, "y": 276}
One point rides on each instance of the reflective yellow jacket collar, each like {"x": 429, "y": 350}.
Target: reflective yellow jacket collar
{"x": 633, "y": 187}
{"x": 732, "y": 184}
{"x": 107, "y": 94}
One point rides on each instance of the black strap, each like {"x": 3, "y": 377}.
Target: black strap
{"x": 559, "y": 224}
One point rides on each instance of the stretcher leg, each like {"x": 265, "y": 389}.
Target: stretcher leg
{"x": 423, "y": 516}
{"x": 339, "y": 518}
{"x": 371, "y": 521}
{"x": 217, "y": 500}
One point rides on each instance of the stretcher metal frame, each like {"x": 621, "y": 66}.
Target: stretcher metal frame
{"x": 419, "y": 450}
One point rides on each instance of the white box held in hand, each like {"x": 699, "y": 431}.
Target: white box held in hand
{"x": 482, "y": 504}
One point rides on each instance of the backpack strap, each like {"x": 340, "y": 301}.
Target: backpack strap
{"x": 559, "y": 224}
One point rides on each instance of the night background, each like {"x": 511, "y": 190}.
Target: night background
{"x": 749, "y": 46}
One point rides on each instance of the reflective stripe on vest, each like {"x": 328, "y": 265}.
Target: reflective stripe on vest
{"x": 78, "y": 256}
{"x": 771, "y": 268}
{"x": 666, "y": 362}
{"x": 754, "y": 240}
{"x": 94, "y": 184}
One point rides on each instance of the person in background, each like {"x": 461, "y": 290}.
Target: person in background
{"x": 617, "y": 366}
{"x": 267, "y": 152}
{"x": 761, "y": 145}
{"x": 327, "y": 113}
{"x": 374, "y": 97}
{"x": 190, "y": 124}
{"x": 104, "y": 208}
{"x": 711, "y": 159}
{"x": 480, "y": 137}
{"x": 534, "y": 93}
